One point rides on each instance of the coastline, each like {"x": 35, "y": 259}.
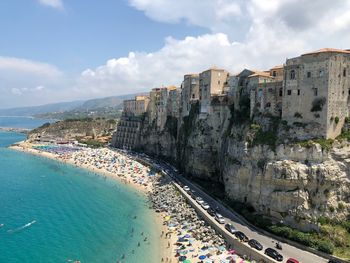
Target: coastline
{"x": 17, "y": 130}
{"x": 165, "y": 251}
{"x": 183, "y": 234}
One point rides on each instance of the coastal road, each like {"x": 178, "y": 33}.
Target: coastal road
{"x": 231, "y": 217}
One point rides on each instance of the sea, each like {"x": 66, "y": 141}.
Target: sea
{"x": 55, "y": 212}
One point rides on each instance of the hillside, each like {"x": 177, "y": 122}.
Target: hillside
{"x": 34, "y": 110}
{"x": 101, "y": 107}
{"x": 94, "y": 132}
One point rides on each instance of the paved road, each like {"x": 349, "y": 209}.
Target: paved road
{"x": 231, "y": 217}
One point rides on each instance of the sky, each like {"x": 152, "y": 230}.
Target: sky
{"x": 64, "y": 50}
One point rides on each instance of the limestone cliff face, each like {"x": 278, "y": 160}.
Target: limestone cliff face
{"x": 280, "y": 179}
{"x": 293, "y": 184}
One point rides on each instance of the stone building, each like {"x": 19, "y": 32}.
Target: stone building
{"x": 128, "y": 128}
{"x": 238, "y": 86}
{"x": 136, "y": 106}
{"x": 316, "y": 91}
{"x": 266, "y": 92}
{"x": 158, "y": 109}
{"x": 127, "y": 133}
{"x": 211, "y": 82}
{"x": 173, "y": 104}
{"x": 189, "y": 93}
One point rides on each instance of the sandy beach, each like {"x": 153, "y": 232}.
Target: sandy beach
{"x": 184, "y": 237}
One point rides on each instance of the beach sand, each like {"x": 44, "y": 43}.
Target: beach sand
{"x": 165, "y": 251}
{"x": 172, "y": 226}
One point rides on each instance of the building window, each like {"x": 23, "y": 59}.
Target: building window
{"x": 281, "y": 92}
{"x": 309, "y": 74}
{"x": 268, "y": 105}
{"x": 289, "y": 92}
{"x": 260, "y": 93}
{"x": 344, "y": 72}
{"x": 321, "y": 73}
{"x": 298, "y": 92}
{"x": 292, "y": 74}
{"x": 274, "y": 73}
{"x": 315, "y": 91}
{"x": 219, "y": 82}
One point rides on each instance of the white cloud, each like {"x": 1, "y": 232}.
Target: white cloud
{"x": 241, "y": 34}
{"x": 58, "y": 4}
{"x": 28, "y": 66}
{"x": 39, "y": 87}
{"x": 16, "y": 91}
{"x": 27, "y": 82}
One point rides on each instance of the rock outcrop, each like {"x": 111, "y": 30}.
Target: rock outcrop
{"x": 74, "y": 129}
{"x": 258, "y": 163}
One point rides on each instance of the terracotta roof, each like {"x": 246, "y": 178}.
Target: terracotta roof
{"x": 328, "y": 50}
{"x": 252, "y": 70}
{"x": 277, "y": 67}
{"x": 192, "y": 75}
{"x": 260, "y": 74}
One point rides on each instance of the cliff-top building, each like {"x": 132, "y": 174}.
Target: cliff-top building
{"x": 211, "y": 83}
{"x": 136, "y": 106}
{"x": 189, "y": 93}
{"x": 316, "y": 91}
{"x": 266, "y": 92}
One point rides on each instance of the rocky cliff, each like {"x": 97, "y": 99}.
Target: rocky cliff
{"x": 259, "y": 164}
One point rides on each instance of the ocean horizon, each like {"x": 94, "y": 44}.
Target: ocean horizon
{"x": 54, "y": 212}
{"x": 22, "y": 122}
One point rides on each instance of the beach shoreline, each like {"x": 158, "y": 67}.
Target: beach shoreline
{"x": 182, "y": 233}
{"x": 165, "y": 251}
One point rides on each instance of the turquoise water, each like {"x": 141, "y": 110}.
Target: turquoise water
{"x": 74, "y": 214}
{"x": 22, "y": 122}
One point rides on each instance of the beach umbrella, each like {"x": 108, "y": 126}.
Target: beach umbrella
{"x": 202, "y": 257}
{"x": 182, "y": 258}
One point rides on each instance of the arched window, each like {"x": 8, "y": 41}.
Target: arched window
{"x": 292, "y": 74}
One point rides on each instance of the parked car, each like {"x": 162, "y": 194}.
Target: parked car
{"x": 255, "y": 244}
{"x": 241, "y": 236}
{"x": 273, "y": 254}
{"x": 211, "y": 211}
{"x": 292, "y": 260}
{"x": 230, "y": 228}
{"x": 219, "y": 218}
{"x": 199, "y": 200}
{"x": 186, "y": 188}
{"x": 205, "y": 205}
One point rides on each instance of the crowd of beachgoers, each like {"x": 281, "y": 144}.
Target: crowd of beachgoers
{"x": 195, "y": 240}
{"x": 188, "y": 238}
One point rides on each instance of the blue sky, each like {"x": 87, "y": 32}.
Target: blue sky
{"x": 63, "y": 50}
{"x": 84, "y": 34}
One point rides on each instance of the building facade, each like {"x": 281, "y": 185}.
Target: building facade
{"x": 316, "y": 90}
{"x": 127, "y": 133}
{"x": 189, "y": 93}
{"x": 211, "y": 82}
{"x": 136, "y": 106}
{"x": 266, "y": 90}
